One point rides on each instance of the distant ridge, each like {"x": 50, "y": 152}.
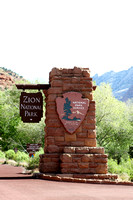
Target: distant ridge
{"x": 121, "y": 83}
{"x": 8, "y": 78}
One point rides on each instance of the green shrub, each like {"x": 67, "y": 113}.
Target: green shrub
{"x": 2, "y": 154}
{"x": 10, "y": 154}
{"x": 21, "y": 156}
{"x": 124, "y": 169}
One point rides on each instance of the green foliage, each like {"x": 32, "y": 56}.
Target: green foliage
{"x": 10, "y": 154}
{"x": 34, "y": 162}
{"x": 13, "y": 132}
{"x": 21, "y": 156}
{"x": 2, "y": 154}
{"x": 9, "y": 117}
{"x": 114, "y": 131}
{"x": 124, "y": 169}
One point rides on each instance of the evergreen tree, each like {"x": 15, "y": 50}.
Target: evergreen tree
{"x": 67, "y": 108}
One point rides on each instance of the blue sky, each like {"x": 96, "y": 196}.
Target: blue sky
{"x": 37, "y": 35}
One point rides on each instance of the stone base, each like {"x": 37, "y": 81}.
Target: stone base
{"x": 82, "y": 178}
{"x": 49, "y": 163}
{"x": 82, "y": 160}
{"x": 75, "y": 160}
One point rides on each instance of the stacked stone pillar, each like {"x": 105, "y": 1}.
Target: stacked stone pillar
{"x": 74, "y": 153}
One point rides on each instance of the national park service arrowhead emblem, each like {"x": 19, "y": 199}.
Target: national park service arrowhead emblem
{"x": 72, "y": 109}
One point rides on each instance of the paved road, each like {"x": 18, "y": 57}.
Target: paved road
{"x": 34, "y": 189}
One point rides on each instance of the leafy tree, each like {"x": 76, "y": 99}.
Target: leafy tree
{"x": 13, "y": 132}
{"x": 9, "y": 119}
{"x": 114, "y": 131}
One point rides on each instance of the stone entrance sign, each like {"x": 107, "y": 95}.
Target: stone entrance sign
{"x": 70, "y": 132}
{"x": 72, "y": 110}
{"x": 31, "y": 107}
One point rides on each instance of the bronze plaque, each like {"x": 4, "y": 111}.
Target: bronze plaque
{"x": 72, "y": 109}
{"x": 33, "y": 147}
{"x": 31, "y": 107}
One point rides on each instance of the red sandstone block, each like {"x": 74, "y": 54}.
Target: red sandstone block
{"x": 54, "y": 123}
{"x": 45, "y": 160}
{"x": 51, "y": 97}
{"x": 59, "y": 143}
{"x": 53, "y": 131}
{"x": 101, "y": 171}
{"x": 101, "y": 168}
{"x": 84, "y": 89}
{"x": 92, "y": 107}
{"x": 90, "y": 142}
{"x": 59, "y": 139}
{"x": 79, "y": 176}
{"x": 71, "y": 87}
{"x": 66, "y": 158}
{"x": 82, "y": 135}
{"x": 87, "y": 83}
{"x": 51, "y": 103}
{"x": 86, "y": 78}
{"x": 91, "y": 113}
{"x": 55, "y": 72}
{"x": 88, "y": 95}
{"x": 87, "y": 171}
{"x": 67, "y": 179}
{"x": 51, "y": 110}
{"x": 56, "y": 83}
{"x": 91, "y": 134}
{"x": 50, "y": 140}
{"x": 78, "y": 180}
{"x": 55, "y": 90}
{"x": 77, "y": 155}
{"x": 97, "y": 150}
{"x": 79, "y": 130}
{"x": 77, "y": 143}
{"x": 93, "y": 181}
{"x": 86, "y": 74}
{"x": 75, "y": 80}
{"x": 76, "y": 160}
{"x": 70, "y": 138}
{"x": 82, "y": 150}
{"x": 64, "y": 71}
{"x": 87, "y": 158}
{"x": 69, "y": 165}
{"x": 67, "y": 75}
{"x": 53, "y": 149}
{"x": 77, "y": 70}
{"x": 100, "y": 155}
{"x": 93, "y": 165}
{"x": 73, "y": 170}
{"x": 52, "y": 155}
{"x": 80, "y": 139}
{"x": 83, "y": 165}
{"x": 57, "y": 160}
{"x": 51, "y": 116}
{"x": 89, "y": 126}
{"x": 61, "y": 149}
{"x": 64, "y": 170}
{"x": 66, "y": 80}
{"x": 100, "y": 160}
{"x": 69, "y": 149}
{"x": 91, "y": 120}
{"x": 48, "y": 168}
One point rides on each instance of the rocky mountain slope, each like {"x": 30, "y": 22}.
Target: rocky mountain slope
{"x": 8, "y": 78}
{"x": 121, "y": 83}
